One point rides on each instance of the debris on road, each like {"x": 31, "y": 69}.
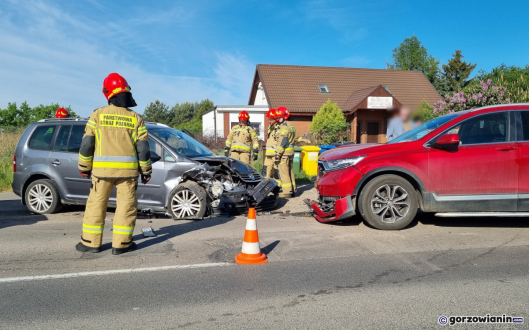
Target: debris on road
{"x": 148, "y": 232}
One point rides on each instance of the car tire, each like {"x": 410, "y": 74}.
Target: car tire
{"x": 187, "y": 201}
{"x": 388, "y": 202}
{"x": 42, "y": 197}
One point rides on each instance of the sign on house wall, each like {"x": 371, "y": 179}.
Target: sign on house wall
{"x": 379, "y": 102}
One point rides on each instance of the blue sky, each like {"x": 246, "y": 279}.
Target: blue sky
{"x": 177, "y": 51}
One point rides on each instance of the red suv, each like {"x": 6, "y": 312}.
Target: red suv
{"x": 468, "y": 163}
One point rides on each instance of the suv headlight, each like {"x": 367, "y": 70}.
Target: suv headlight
{"x": 337, "y": 164}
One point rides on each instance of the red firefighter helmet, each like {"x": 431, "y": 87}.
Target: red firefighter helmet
{"x": 282, "y": 112}
{"x": 271, "y": 113}
{"x": 244, "y": 115}
{"x": 62, "y": 113}
{"x": 114, "y": 84}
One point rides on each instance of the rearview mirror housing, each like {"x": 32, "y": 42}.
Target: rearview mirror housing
{"x": 447, "y": 141}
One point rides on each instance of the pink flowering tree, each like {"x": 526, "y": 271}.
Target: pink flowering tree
{"x": 477, "y": 96}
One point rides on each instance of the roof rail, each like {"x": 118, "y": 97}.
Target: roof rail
{"x": 62, "y": 119}
{"x": 154, "y": 123}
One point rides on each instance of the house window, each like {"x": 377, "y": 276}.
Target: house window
{"x": 324, "y": 88}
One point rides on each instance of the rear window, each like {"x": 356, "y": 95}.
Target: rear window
{"x": 41, "y": 137}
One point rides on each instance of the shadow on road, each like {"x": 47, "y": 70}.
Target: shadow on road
{"x": 13, "y": 213}
{"x": 270, "y": 247}
{"x": 166, "y": 233}
{"x": 493, "y": 222}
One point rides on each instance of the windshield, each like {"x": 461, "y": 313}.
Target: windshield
{"x": 181, "y": 143}
{"x": 420, "y": 131}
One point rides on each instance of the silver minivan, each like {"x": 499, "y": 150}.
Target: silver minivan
{"x": 188, "y": 180}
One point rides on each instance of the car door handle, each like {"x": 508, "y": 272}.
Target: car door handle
{"x": 56, "y": 162}
{"x": 506, "y": 148}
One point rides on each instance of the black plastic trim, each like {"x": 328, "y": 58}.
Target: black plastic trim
{"x": 372, "y": 173}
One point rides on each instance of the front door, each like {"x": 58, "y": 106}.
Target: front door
{"x": 373, "y": 128}
{"x": 482, "y": 172}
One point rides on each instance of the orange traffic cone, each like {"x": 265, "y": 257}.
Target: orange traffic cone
{"x": 251, "y": 252}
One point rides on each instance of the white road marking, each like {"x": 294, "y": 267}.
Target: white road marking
{"x": 109, "y": 272}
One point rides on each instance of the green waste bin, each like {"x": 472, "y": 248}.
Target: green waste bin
{"x": 296, "y": 163}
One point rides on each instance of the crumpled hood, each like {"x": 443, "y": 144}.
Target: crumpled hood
{"x": 357, "y": 150}
{"x": 234, "y": 165}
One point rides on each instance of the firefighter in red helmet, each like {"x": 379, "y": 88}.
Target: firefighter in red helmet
{"x": 242, "y": 140}
{"x": 285, "y": 152}
{"x": 62, "y": 113}
{"x": 114, "y": 151}
{"x": 269, "y": 167}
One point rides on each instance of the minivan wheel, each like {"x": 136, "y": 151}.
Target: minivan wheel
{"x": 42, "y": 197}
{"x": 388, "y": 202}
{"x": 187, "y": 201}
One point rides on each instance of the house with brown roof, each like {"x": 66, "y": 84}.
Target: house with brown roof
{"x": 364, "y": 95}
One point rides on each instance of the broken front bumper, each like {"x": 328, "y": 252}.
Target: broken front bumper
{"x": 343, "y": 208}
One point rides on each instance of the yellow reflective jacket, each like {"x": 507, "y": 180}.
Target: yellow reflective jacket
{"x": 286, "y": 135}
{"x": 115, "y": 144}
{"x": 242, "y": 138}
{"x": 271, "y": 140}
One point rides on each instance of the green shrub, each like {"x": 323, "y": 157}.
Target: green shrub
{"x": 329, "y": 124}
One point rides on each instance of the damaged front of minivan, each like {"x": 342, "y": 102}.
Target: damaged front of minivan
{"x": 199, "y": 183}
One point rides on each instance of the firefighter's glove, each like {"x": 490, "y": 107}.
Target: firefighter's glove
{"x": 255, "y": 154}
{"x": 86, "y": 174}
{"x": 227, "y": 151}
{"x": 277, "y": 158}
{"x": 145, "y": 178}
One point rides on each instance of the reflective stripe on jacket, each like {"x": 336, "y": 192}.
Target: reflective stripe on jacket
{"x": 242, "y": 139}
{"x": 271, "y": 140}
{"x": 115, "y": 144}
{"x": 286, "y": 136}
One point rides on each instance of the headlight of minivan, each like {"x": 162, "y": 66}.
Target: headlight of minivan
{"x": 343, "y": 163}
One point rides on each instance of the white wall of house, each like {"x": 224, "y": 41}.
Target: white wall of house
{"x": 260, "y": 97}
{"x": 257, "y": 116}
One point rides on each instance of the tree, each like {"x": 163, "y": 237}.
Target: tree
{"x": 195, "y": 125}
{"x": 478, "y": 96}
{"x": 515, "y": 79}
{"x": 157, "y": 112}
{"x": 14, "y": 116}
{"x": 457, "y": 71}
{"x": 412, "y": 55}
{"x": 425, "y": 111}
{"x": 329, "y": 124}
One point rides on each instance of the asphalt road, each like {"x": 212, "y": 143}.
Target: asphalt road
{"x": 319, "y": 276}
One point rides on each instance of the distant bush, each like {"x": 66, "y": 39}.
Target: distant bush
{"x": 329, "y": 124}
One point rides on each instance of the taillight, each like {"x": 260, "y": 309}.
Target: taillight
{"x": 14, "y": 163}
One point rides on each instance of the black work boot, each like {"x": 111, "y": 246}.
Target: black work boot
{"x": 116, "y": 251}
{"x": 83, "y": 248}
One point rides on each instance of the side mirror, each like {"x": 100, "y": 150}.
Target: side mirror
{"x": 447, "y": 141}
{"x": 154, "y": 157}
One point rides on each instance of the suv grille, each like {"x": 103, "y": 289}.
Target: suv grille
{"x": 252, "y": 177}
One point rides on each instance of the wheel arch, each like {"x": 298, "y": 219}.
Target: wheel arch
{"x": 33, "y": 178}
{"x": 399, "y": 171}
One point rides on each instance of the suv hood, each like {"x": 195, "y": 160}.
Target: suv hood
{"x": 357, "y": 150}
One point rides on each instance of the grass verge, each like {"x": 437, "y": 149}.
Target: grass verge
{"x": 8, "y": 143}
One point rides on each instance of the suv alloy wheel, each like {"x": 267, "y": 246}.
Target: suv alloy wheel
{"x": 388, "y": 202}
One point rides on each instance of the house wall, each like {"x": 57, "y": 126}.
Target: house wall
{"x": 226, "y": 115}
{"x": 301, "y": 123}
{"x": 260, "y": 97}
{"x": 208, "y": 123}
